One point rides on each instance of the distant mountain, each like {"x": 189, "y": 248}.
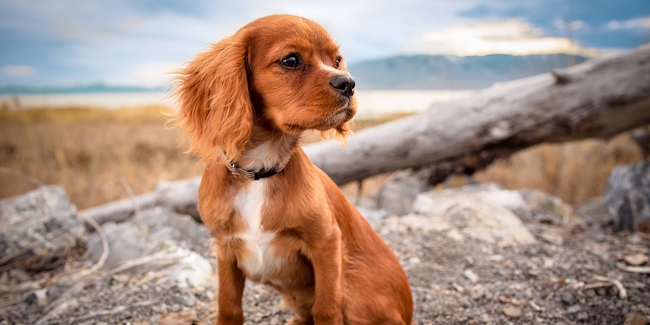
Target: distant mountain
{"x": 436, "y": 72}
{"x": 452, "y": 72}
{"x": 79, "y": 89}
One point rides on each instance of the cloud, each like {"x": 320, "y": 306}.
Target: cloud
{"x": 123, "y": 41}
{"x": 569, "y": 26}
{"x": 18, "y": 70}
{"x": 513, "y": 36}
{"x": 638, "y": 23}
{"x": 154, "y": 74}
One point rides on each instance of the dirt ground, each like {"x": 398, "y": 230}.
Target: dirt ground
{"x": 569, "y": 276}
{"x": 561, "y": 279}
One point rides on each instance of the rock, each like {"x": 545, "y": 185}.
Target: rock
{"x": 153, "y": 232}
{"x": 374, "y": 217}
{"x": 568, "y": 298}
{"x": 553, "y": 236}
{"x": 573, "y": 309}
{"x": 636, "y": 259}
{"x": 582, "y": 316}
{"x": 469, "y": 274}
{"x": 547, "y": 208}
{"x": 477, "y": 292}
{"x": 595, "y": 212}
{"x": 398, "y": 194}
{"x": 512, "y": 311}
{"x": 628, "y": 196}
{"x": 39, "y": 229}
{"x": 634, "y": 319}
{"x": 642, "y": 138}
{"x": 483, "y": 212}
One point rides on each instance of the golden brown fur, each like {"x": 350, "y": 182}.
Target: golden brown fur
{"x": 244, "y": 101}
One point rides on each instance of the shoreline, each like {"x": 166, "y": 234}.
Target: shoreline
{"x": 372, "y": 103}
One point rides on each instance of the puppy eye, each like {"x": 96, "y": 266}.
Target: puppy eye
{"x": 290, "y": 61}
{"x": 337, "y": 63}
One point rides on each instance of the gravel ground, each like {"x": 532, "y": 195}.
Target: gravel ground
{"x": 567, "y": 277}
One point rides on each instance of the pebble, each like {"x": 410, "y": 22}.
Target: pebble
{"x": 568, "y": 298}
{"x": 414, "y": 260}
{"x": 582, "y": 316}
{"x": 552, "y": 238}
{"x": 548, "y": 263}
{"x": 512, "y": 311}
{"x": 469, "y": 274}
{"x": 477, "y": 292}
{"x": 573, "y": 309}
{"x": 636, "y": 259}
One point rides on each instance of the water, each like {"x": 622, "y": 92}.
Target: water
{"x": 372, "y": 103}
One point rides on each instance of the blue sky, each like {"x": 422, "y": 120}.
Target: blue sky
{"x": 121, "y": 42}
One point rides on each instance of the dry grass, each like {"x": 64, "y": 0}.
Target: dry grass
{"x": 574, "y": 171}
{"x": 88, "y": 150}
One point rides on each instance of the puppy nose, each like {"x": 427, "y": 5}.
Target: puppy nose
{"x": 344, "y": 84}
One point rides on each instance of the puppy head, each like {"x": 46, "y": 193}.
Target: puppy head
{"x": 280, "y": 72}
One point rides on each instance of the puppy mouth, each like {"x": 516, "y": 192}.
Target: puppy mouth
{"x": 341, "y": 116}
{"x": 346, "y": 112}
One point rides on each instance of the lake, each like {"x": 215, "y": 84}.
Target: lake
{"x": 372, "y": 103}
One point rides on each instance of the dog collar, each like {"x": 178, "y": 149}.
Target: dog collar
{"x": 253, "y": 175}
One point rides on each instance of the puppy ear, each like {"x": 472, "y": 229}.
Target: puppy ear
{"x": 214, "y": 104}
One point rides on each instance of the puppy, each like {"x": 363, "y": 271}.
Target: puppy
{"x": 277, "y": 218}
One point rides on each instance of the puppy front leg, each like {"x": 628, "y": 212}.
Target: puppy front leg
{"x": 231, "y": 290}
{"x": 326, "y": 261}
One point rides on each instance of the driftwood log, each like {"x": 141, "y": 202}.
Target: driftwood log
{"x": 599, "y": 98}
{"x": 179, "y": 196}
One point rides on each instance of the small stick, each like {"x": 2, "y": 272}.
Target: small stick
{"x": 621, "y": 290}
{"x": 534, "y": 305}
{"x": 136, "y": 207}
{"x": 105, "y": 247}
{"x": 636, "y": 269}
{"x": 598, "y": 285}
{"x": 22, "y": 175}
{"x": 115, "y": 310}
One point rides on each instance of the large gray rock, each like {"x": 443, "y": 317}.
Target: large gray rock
{"x": 628, "y": 196}
{"x": 398, "y": 194}
{"x": 156, "y": 230}
{"x": 482, "y": 212}
{"x": 39, "y": 229}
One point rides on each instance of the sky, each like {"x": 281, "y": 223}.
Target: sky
{"x": 138, "y": 42}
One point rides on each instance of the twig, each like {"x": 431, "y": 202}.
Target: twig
{"x": 636, "y": 269}
{"x": 22, "y": 175}
{"x": 62, "y": 303}
{"x": 143, "y": 260}
{"x": 598, "y": 285}
{"x": 105, "y": 246}
{"x": 136, "y": 206}
{"x": 115, "y": 310}
{"x": 534, "y": 305}
{"x": 621, "y": 290}
{"x": 458, "y": 287}
{"x": 102, "y": 258}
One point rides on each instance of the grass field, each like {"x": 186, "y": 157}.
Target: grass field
{"x": 89, "y": 152}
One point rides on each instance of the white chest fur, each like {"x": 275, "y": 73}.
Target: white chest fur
{"x": 260, "y": 261}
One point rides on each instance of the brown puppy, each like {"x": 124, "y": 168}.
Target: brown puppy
{"x": 277, "y": 218}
